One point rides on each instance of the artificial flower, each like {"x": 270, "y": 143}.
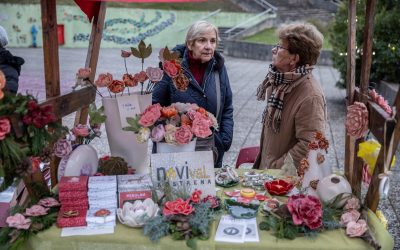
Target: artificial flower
{"x": 176, "y": 207}
{"x": 38, "y": 116}
{"x": 278, "y": 187}
{"x": 356, "y": 229}
{"x": 141, "y": 76}
{"x": 18, "y": 221}
{"x": 36, "y": 210}
{"x": 104, "y": 80}
{"x": 154, "y": 74}
{"x": 201, "y": 127}
{"x": 81, "y": 130}
{"x": 5, "y": 128}
{"x": 35, "y": 161}
{"x": 116, "y": 86}
{"x": 352, "y": 204}
{"x": 195, "y": 198}
{"x": 183, "y": 135}
{"x": 305, "y": 210}
{"x": 49, "y": 202}
{"x": 143, "y": 135}
{"x": 169, "y": 111}
{"x": 352, "y": 215}
{"x": 62, "y": 148}
{"x": 185, "y": 107}
{"x": 83, "y": 73}
{"x": 357, "y": 120}
{"x": 213, "y": 200}
{"x": 157, "y": 133}
{"x": 185, "y": 120}
{"x": 181, "y": 82}
{"x": 125, "y": 54}
{"x": 171, "y": 68}
{"x": 170, "y": 134}
{"x": 129, "y": 80}
{"x": 150, "y": 115}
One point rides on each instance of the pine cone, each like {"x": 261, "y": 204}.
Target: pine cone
{"x": 24, "y": 168}
{"x": 113, "y": 166}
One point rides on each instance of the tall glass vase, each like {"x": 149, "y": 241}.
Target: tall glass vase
{"x": 123, "y": 143}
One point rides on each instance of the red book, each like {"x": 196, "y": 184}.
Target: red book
{"x": 71, "y": 195}
{"x": 71, "y": 218}
{"x": 73, "y": 183}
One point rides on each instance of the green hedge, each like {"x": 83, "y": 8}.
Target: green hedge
{"x": 386, "y": 41}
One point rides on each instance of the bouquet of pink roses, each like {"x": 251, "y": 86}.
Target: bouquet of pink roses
{"x": 177, "y": 124}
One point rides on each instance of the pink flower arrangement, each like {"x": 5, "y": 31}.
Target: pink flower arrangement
{"x": 49, "y": 202}
{"x": 18, "y": 221}
{"x": 81, "y": 130}
{"x": 176, "y": 124}
{"x": 356, "y": 229}
{"x": 5, "y": 128}
{"x": 305, "y": 210}
{"x": 36, "y": 210}
{"x": 380, "y": 100}
{"x": 357, "y": 120}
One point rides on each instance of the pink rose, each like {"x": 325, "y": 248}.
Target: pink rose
{"x": 183, "y": 135}
{"x": 150, "y": 115}
{"x": 83, "y": 73}
{"x": 104, "y": 80}
{"x": 171, "y": 68}
{"x": 5, "y": 128}
{"x": 352, "y": 215}
{"x": 352, "y": 204}
{"x": 125, "y": 54}
{"x": 357, "y": 120}
{"x": 36, "y": 210}
{"x": 129, "y": 80}
{"x": 213, "y": 200}
{"x": 201, "y": 127}
{"x": 305, "y": 210}
{"x": 154, "y": 74}
{"x": 157, "y": 133}
{"x": 18, "y": 221}
{"x": 356, "y": 229}
{"x": 141, "y": 76}
{"x": 81, "y": 130}
{"x": 373, "y": 94}
{"x": 62, "y": 148}
{"x": 49, "y": 202}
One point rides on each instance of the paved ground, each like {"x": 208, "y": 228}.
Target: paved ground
{"x": 245, "y": 75}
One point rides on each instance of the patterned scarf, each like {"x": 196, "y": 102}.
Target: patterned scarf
{"x": 282, "y": 84}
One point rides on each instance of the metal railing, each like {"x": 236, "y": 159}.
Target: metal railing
{"x": 242, "y": 24}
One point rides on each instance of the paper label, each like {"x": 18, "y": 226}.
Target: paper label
{"x": 128, "y": 106}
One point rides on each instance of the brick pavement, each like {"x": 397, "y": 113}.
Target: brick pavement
{"x": 245, "y": 75}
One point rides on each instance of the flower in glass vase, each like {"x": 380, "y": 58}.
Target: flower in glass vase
{"x": 177, "y": 124}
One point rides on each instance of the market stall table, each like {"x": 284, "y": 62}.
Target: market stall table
{"x": 133, "y": 238}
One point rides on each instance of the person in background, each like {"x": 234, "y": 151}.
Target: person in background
{"x": 296, "y": 106}
{"x": 205, "y": 69}
{"x": 9, "y": 64}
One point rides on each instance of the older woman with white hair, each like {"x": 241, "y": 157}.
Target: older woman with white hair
{"x": 296, "y": 107}
{"x": 9, "y": 64}
{"x": 208, "y": 85}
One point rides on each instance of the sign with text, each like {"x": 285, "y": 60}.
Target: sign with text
{"x": 128, "y": 106}
{"x": 194, "y": 170}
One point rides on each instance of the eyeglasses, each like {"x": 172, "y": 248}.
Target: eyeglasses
{"x": 278, "y": 46}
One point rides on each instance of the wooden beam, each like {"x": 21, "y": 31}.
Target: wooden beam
{"x": 93, "y": 55}
{"x": 350, "y": 79}
{"x": 50, "y": 48}
{"x": 367, "y": 49}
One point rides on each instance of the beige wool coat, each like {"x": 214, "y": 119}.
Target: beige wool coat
{"x": 303, "y": 114}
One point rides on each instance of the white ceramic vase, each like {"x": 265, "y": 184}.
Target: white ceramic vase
{"x": 123, "y": 143}
{"x": 163, "y": 147}
{"x": 316, "y": 171}
{"x": 331, "y": 186}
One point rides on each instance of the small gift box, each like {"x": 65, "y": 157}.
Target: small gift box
{"x": 67, "y": 195}
{"x": 102, "y": 194}
{"x": 102, "y": 182}
{"x": 83, "y": 202}
{"x": 76, "y": 183}
{"x": 131, "y": 196}
{"x": 136, "y": 182}
{"x": 71, "y": 218}
{"x": 100, "y": 216}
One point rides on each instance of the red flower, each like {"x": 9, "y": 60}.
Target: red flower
{"x": 177, "y": 206}
{"x": 169, "y": 112}
{"x": 195, "y": 198}
{"x": 305, "y": 210}
{"x": 278, "y": 187}
{"x": 213, "y": 200}
{"x": 116, "y": 86}
{"x": 171, "y": 68}
{"x": 5, "y": 127}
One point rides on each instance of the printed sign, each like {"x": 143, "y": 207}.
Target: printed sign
{"x": 128, "y": 106}
{"x": 194, "y": 170}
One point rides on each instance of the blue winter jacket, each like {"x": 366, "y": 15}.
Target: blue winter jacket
{"x": 205, "y": 96}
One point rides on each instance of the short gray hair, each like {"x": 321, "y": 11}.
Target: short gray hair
{"x": 198, "y": 28}
{"x": 3, "y": 37}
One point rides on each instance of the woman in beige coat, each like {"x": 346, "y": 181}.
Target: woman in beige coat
{"x": 296, "y": 107}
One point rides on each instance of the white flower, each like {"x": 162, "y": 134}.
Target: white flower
{"x": 143, "y": 135}
{"x": 138, "y": 213}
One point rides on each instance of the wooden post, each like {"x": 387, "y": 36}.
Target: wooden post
{"x": 93, "y": 56}
{"x": 350, "y": 79}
